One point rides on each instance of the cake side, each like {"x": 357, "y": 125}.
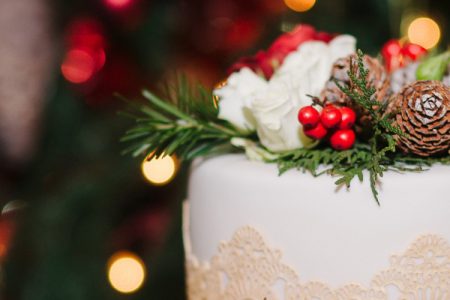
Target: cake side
{"x": 326, "y": 235}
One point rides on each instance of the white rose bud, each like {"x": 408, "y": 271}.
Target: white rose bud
{"x": 236, "y": 97}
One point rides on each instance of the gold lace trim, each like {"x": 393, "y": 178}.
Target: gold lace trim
{"x": 246, "y": 268}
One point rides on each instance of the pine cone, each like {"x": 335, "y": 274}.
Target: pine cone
{"x": 377, "y": 77}
{"x": 422, "y": 111}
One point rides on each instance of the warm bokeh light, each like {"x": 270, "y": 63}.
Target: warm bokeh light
{"x": 2, "y": 250}
{"x": 300, "y": 5}
{"x": 118, "y": 4}
{"x": 85, "y": 32}
{"x": 424, "y": 32}
{"x": 6, "y": 231}
{"x": 126, "y": 272}
{"x": 78, "y": 66}
{"x": 160, "y": 170}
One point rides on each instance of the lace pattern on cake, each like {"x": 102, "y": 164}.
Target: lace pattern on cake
{"x": 246, "y": 268}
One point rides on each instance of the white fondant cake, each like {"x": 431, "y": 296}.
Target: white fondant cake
{"x": 325, "y": 235}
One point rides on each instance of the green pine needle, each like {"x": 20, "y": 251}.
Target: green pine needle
{"x": 186, "y": 125}
{"x": 378, "y": 156}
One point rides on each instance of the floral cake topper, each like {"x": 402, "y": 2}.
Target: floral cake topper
{"x": 311, "y": 102}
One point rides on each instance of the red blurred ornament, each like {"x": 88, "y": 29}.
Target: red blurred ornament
{"x": 85, "y": 55}
{"x": 396, "y": 55}
{"x": 290, "y": 41}
{"x": 118, "y": 4}
{"x": 391, "y": 52}
{"x": 120, "y": 75}
{"x": 265, "y": 62}
{"x": 78, "y": 66}
{"x": 343, "y": 139}
{"x": 86, "y": 32}
{"x": 6, "y": 232}
{"x": 242, "y": 34}
{"x": 260, "y": 63}
{"x": 413, "y": 51}
{"x": 391, "y": 48}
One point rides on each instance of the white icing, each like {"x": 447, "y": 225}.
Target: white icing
{"x": 333, "y": 236}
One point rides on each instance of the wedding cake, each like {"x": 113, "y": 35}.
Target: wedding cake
{"x": 318, "y": 172}
{"x": 252, "y": 234}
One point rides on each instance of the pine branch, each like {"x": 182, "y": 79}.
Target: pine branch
{"x": 355, "y": 163}
{"x": 185, "y": 125}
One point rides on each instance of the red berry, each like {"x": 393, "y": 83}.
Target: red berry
{"x": 308, "y": 116}
{"x": 413, "y": 51}
{"x": 331, "y": 116}
{"x": 343, "y": 139}
{"x": 348, "y": 118}
{"x": 391, "y": 48}
{"x": 318, "y": 132}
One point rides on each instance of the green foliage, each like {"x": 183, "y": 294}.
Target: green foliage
{"x": 434, "y": 67}
{"x": 350, "y": 164}
{"x": 376, "y": 157}
{"x": 186, "y": 124}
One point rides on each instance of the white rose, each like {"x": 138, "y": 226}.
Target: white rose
{"x": 309, "y": 67}
{"x": 236, "y": 97}
{"x": 304, "y": 72}
{"x": 275, "y": 112}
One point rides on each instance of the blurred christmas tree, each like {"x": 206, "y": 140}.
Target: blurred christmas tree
{"x": 84, "y": 202}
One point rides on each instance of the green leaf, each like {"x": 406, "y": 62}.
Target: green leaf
{"x": 433, "y": 68}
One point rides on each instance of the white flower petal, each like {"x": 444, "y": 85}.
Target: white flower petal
{"x": 237, "y": 95}
{"x": 304, "y": 72}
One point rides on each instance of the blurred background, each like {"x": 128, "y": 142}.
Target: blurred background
{"x": 78, "y": 219}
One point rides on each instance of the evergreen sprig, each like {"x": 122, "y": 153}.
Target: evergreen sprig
{"x": 376, "y": 157}
{"x": 350, "y": 164}
{"x": 186, "y": 124}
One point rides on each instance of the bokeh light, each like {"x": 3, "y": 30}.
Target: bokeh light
{"x": 86, "y": 50}
{"x": 424, "y": 32}
{"x": 6, "y": 231}
{"x": 117, "y": 4}
{"x": 85, "y": 32}
{"x": 78, "y": 66}
{"x": 300, "y": 5}
{"x": 126, "y": 272}
{"x": 159, "y": 171}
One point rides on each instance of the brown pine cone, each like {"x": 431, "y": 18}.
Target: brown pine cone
{"x": 377, "y": 77}
{"x": 422, "y": 111}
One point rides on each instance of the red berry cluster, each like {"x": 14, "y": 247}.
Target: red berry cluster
{"x": 336, "y": 121}
{"x": 397, "y": 55}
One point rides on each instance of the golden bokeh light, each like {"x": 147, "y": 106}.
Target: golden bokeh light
{"x": 126, "y": 272}
{"x": 159, "y": 171}
{"x": 424, "y": 32}
{"x": 300, "y": 5}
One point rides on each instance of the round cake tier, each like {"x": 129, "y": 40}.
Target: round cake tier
{"x": 325, "y": 234}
